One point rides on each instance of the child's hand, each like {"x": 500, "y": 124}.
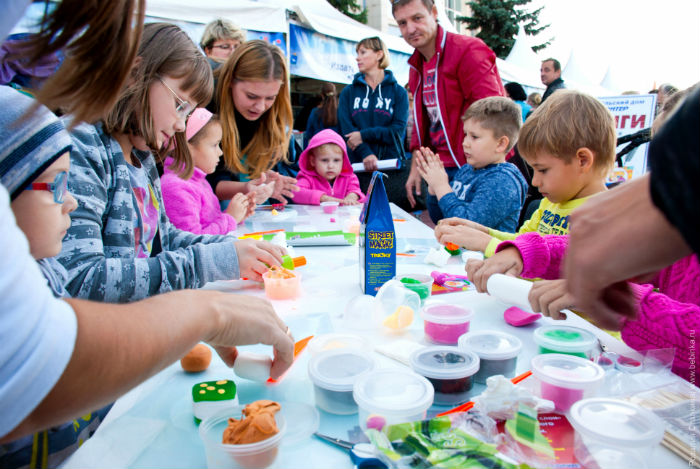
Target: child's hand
{"x": 254, "y": 255}
{"x": 350, "y": 199}
{"x": 549, "y": 297}
{"x": 456, "y": 221}
{"x": 251, "y": 204}
{"x": 507, "y": 261}
{"x": 328, "y": 198}
{"x": 285, "y": 186}
{"x": 238, "y": 207}
{"x": 262, "y": 190}
{"x": 463, "y": 236}
{"x": 431, "y": 169}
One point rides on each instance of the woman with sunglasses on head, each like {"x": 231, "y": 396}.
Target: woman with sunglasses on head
{"x": 121, "y": 246}
{"x": 372, "y": 114}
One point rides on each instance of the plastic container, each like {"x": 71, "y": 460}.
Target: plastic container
{"x": 565, "y": 379}
{"x": 395, "y": 306}
{"x": 254, "y": 455}
{"x": 444, "y": 323}
{"x": 449, "y": 370}
{"x": 614, "y": 434}
{"x": 330, "y": 206}
{"x": 498, "y": 352}
{"x": 333, "y": 373}
{"x": 390, "y": 396}
{"x": 565, "y": 339}
{"x": 419, "y": 283}
{"x": 338, "y": 341}
{"x": 282, "y": 288}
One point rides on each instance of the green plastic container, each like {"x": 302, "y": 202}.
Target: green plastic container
{"x": 565, "y": 339}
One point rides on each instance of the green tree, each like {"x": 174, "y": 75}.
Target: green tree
{"x": 350, "y": 8}
{"x": 498, "y": 21}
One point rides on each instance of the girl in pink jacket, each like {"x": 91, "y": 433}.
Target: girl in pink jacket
{"x": 325, "y": 173}
{"x": 668, "y": 309}
{"x": 191, "y": 204}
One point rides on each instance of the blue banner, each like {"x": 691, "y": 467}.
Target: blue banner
{"x": 327, "y": 58}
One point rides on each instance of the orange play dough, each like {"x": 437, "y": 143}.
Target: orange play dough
{"x": 197, "y": 359}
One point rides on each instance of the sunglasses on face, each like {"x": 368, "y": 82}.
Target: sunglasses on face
{"x": 183, "y": 108}
{"x": 58, "y": 187}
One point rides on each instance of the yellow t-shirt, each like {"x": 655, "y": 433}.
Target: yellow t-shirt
{"x": 549, "y": 218}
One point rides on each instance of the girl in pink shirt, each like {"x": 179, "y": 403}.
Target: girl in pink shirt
{"x": 191, "y": 204}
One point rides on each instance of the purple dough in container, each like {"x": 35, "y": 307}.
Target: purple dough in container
{"x": 444, "y": 323}
{"x": 498, "y": 352}
{"x": 449, "y": 370}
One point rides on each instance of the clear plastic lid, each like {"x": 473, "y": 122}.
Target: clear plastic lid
{"x": 324, "y": 342}
{"x": 444, "y": 362}
{"x": 393, "y": 391}
{"x": 617, "y": 423}
{"x": 337, "y": 370}
{"x": 443, "y": 313}
{"x": 565, "y": 339}
{"x": 567, "y": 371}
{"x": 491, "y": 345}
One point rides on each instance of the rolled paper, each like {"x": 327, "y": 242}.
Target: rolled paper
{"x": 510, "y": 290}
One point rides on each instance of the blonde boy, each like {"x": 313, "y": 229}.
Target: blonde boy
{"x": 570, "y": 143}
{"x": 486, "y": 190}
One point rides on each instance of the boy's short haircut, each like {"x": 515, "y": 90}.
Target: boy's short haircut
{"x": 567, "y": 121}
{"x": 500, "y": 115}
{"x": 555, "y": 63}
{"x": 221, "y": 29}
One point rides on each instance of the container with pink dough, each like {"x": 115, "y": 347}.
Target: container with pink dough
{"x": 498, "y": 352}
{"x": 613, "y": 434}
{"x": 444, "y": 323}
{"x": 566, "y": 379}
{"x": 329, "y": 207}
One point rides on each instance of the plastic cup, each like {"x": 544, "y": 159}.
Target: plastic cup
{"x": 395, "y": 306}
{"x": 329, "y": 207}
{"x": 498, "y": 352}
{"x": 566, "y": 379}
{"x": 338, "y": 341}
{"x": 282, "y": 288}
{"x": 444, "y": 323}
{"x": 333, "y": 373}
{"x": 247, "y": 456}
{"x": 613, "y": 434}
{"x": 420, "y": 283}
{"x": 449, "y": 370}
{"x": 389, "y": 396}
{"x": 565, "y": 339}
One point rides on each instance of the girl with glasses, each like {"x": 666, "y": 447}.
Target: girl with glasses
{"x": 121, "y": 246}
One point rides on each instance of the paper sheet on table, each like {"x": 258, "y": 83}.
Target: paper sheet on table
{"x": 113, "y": 447}
{"x": 381, "y": 164}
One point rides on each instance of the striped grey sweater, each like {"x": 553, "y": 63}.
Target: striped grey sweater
{"x": 99, "y": 249}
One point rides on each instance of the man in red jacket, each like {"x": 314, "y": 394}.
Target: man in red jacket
{"x": 448, "y": 72}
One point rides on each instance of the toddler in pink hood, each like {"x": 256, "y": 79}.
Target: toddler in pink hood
{"x": 325, "y": 173}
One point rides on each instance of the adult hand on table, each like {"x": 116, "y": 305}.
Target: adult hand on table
{"x": 285, "y": 186}
{"x": 246, "y": 320}
{"x": 413, "y": 183}
{"x": 508, "y": 262}
{"x": 255, "y": 257}
{"x": 615, "y": 236}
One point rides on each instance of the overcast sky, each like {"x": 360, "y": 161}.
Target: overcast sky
{"x": 646, "y": 41}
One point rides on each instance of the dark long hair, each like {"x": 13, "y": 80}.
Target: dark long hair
{"x": 329, "y": 105}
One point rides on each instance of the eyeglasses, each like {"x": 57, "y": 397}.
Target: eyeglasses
{"x": 183, "y": 108}
{"x": 59, "y": 187}
{"x": 223, "y": 46}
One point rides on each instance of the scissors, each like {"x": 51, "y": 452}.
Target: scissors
{"x": 361, "y": 454}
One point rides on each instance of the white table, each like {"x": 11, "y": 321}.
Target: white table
{"x": 152, "y": 425}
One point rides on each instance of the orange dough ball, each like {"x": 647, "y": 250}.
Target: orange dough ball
{"x": 197, "y": 359}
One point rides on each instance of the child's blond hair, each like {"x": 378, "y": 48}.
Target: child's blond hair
{"x": 500, "y": 115}
{"x": 567, "y": 121}
{"x": 325, "y": 145}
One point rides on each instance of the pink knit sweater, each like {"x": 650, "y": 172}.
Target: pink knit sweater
{"x": 669, "y": 317}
